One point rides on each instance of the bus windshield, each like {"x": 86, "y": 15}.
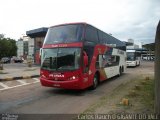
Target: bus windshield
{"x": 130, "y": 56}
{"x": 60, "y": 59}
{"x": 64, "y": 34}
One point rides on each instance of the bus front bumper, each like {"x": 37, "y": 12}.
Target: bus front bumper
{"x": 132, "y": 63}
{"x": 69, "y": 84}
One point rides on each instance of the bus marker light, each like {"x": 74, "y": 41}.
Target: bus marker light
{"x": 73, "y": 78}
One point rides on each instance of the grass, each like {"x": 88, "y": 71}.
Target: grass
{"x": 139, "y": 92}
{"x": 104, "y": 100}
{"x": 93, "y": 107}
{"x": 147, "y": 93}
{"x": 142, "y": 96}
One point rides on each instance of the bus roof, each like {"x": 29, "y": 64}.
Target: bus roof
{"x": 111, "y": 40}
{"x": 130, "y": 50}
{"x": 69, "y": 24}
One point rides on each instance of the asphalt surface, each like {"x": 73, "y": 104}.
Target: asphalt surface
{"x": 36, "y": 99}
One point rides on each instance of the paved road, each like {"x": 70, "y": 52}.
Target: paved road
{"x": 33, "y": 98}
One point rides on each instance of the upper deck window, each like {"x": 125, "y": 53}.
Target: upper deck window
{"x": 91, "y": 34}
{"x": 64, "y": 34}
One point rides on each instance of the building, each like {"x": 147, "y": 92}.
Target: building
{"x": 36, "y": 41}
{"x": 132, "y": 45}
{"x": 31, "y": 47}
{"x": 150, "y": 51}
{"x": 25, "y": 49}
{"x": 22, "y": 47}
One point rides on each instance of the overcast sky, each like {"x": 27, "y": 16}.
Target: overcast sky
{"x": 124, "y": 19}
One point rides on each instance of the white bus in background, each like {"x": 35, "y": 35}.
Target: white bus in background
{"x": 133, "y": 58}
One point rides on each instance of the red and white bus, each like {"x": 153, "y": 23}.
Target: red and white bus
{"x": 78, "y": 56}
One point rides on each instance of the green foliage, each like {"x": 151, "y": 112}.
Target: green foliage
{"x": 147, "y": 93}
{"x": 8, "y": 47}
{"x": 150, "y": 46}
{"x": 144, "y": 95}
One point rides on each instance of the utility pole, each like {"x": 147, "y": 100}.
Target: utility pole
{"x": 157, "y": 70}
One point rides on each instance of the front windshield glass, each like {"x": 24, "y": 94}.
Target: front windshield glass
{"x": 64, "y": 34}
{"x": 130, "y": 56}
{"x": 60, "y": 59}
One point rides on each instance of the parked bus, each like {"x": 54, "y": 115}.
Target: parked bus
{"x": 78, "y": 56}
{"x": 133, "y": 58}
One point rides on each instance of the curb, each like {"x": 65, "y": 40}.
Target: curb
{"x": 17, "y": 78}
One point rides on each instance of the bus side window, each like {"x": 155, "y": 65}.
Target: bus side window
{"x": 91, "y": 34}
{"x": 115, "y": 60}
{"x": 106, "y": 61}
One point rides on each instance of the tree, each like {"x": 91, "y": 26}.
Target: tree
{"x": 157, "y": 70}
{"x": 8, "y": 47}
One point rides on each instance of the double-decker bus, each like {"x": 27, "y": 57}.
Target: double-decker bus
{"x": 78, "y": 56}
{"x": 133, "y": 57}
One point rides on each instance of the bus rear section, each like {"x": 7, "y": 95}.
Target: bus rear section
{"x": 133, "y": 58}
{"x": 111, "y": 63}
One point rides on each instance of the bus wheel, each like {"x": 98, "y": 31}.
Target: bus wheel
{"x": 95, "y": 82}
{"x": 120, "y": 71}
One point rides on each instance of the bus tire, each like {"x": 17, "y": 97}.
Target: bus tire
{"x": 95, "y": 82}
{"x": 120, "y": 71}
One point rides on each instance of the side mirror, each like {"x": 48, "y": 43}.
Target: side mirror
{"x": 85, "y": 59}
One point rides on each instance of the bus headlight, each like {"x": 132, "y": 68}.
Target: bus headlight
{"x": 73, "y": 78}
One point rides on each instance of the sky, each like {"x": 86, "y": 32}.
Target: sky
{"x": 124, "y": 19}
